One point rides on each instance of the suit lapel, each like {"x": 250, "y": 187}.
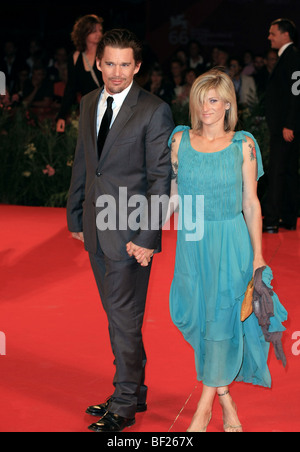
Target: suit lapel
{"x": 275, "y": 68}
{"x": 280, "y": 60}
{"x": 121, "y": 120}
{"x": 93, "y": 120}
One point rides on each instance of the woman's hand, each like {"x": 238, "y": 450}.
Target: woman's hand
{"x": 258, "y": 263}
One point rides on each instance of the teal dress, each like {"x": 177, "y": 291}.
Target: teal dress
{"x": 212, "y": 272}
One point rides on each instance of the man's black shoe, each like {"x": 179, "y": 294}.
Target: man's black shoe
{"x": 270, "y": 229}
{"x": 111, "y": 423}
{"x": 287, "y": 226}
{"x": 101, "y": 409}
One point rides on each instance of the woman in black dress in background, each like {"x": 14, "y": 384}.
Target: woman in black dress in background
{"x": 83, "y": 75}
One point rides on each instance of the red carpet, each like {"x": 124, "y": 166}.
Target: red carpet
{"x": 58, "y": 360}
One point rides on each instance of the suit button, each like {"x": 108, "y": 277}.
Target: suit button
{"x": 98, "y": 173}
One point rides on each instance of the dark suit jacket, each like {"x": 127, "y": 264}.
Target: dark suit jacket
{"x": 282, "y": 106}
{"x": 135, "y": 156}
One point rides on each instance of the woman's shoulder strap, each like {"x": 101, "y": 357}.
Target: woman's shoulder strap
{"x": 176, "y": 130}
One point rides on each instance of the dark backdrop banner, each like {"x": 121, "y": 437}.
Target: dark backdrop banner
{"x": 166, "y": 25}
{"x": 237, "y": 25}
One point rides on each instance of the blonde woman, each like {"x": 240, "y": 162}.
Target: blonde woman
{"x": 212, "y": 272}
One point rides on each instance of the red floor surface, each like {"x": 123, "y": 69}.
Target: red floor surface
{"x": 55, "y": 358}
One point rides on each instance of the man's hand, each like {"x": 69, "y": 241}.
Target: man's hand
{"x": 78, "y": 236}
{"x": 288, "y": 135}
{"x": 142, "y": 255}
{"x": 61, "y": 126}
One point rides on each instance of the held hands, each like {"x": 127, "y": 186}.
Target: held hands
{"x": 142, "y": 255}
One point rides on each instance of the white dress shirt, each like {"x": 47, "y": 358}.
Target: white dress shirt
{"x": 116, "y": 106}
{"x": 283, "y": 48}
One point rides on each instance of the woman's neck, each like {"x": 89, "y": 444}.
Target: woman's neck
{"x": 213, "y": 132}
{"x": 91, "y": 49}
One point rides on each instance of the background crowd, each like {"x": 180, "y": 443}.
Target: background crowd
{"x": 38, "y": 79}
{"x": 44, "y": 91}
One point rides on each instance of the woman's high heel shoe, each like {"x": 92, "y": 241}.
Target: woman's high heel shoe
{"x": 233, "y": 428}
{"x": 205, "y": 428}
{"x": 227, "y": 427}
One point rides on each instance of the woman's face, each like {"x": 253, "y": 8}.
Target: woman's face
{"x": 156, "y": 78}
{"x": 96, "y": 35}
{"x": 190, "y": 78}
{"x": 213, "y": 109}
{"x": 176, "y": 69}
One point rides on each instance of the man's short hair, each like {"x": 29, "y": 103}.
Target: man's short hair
{"x": 121, "y": 39}
{"x": 287, "y": 26}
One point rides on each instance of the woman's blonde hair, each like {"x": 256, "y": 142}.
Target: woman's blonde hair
{"x": 222, "y": 83}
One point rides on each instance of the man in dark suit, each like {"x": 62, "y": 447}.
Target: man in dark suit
{"x": 11, "y": 64}
{"x": 128, "y": 162}
{"x": 283, "y": 113}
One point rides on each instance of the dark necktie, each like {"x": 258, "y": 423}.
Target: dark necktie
{"x": 105, "y": 125}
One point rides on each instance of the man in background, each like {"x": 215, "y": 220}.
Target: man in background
{"x": 283, "y": 113}
{"x": 244, "y": 84}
